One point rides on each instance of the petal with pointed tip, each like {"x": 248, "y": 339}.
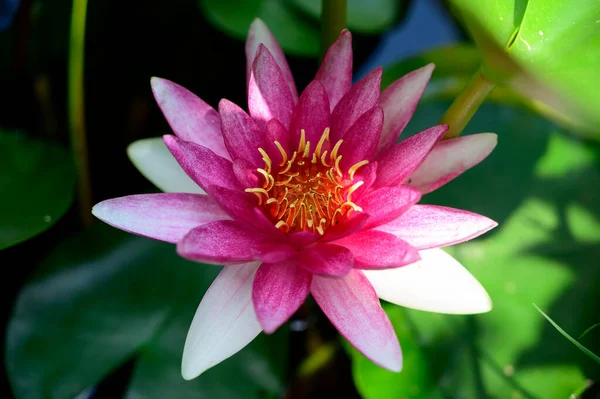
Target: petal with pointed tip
{"x": 431, "y": 226}
{"x": 165, "y": 217}
{"x": 258, "y": 34}
{"x": 278, "y": 291}
{"x": 351, "y": 304}
{"x": 242, "y": 135}
{"x": 374, "y": 249}
{"x": 400, "y": 161}
{"x": 437, "y": 283}
{"x": 275, "y": 131}
{"x": 190, "y": 118}
{"x": 361, "y": 139}
{"x": 363, "y": 96}
{"x": 386, "y": 204}
{"x": 399, "y": 102}
{"x": 226, "y": 242}
{"x": 311, "y": 114}
{"x": 269, "y": 95}
{"x": 449, "y": 158}
{"x": 326, "y": 259}
{"x": 336, "y": 70}
{"x": 224, "y": 323}
{"x": 153, "y": 159}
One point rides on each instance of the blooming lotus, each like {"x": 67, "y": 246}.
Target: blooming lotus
{"x": 306, "y": 194}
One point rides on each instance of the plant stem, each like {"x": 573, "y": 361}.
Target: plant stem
{"x": 76, "y": 109}
{"x": 333, "y": 21}
{"x": 466, "y": 104}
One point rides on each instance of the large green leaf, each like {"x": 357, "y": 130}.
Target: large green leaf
{"x": 37, "y": 183}
{"x": 542, "y": 187}
{"x": 103, "y": 297}
{"x": 295, "y": 35}
{"x": 364, "y": 16}
{"x": 555, "y": 43}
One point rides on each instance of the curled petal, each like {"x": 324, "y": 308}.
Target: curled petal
{"x": 430, "y": 226}
{"x": 351, "y": 304}
{"x": 224, "y": 323}
{"x": 336, "y": 70}
{"x": 260, "y": 34}
{"x": 400, "y": 161}
{"x": 449, "y": 158}
{"x": 153, "y": 159}
{"x": 437, "y": 283}
{"x": 326, "y": 259}
{"x": 165, "y": 217}
{"x": 374, "y": 249}
{"x": 278, "y": 291}
{"x": 226, "y": 242}
{"x": 190, "y": 118}
{"x": 269, "y": 95}
{"x": 399, "y": 102}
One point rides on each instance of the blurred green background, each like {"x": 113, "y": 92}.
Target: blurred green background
{"x": 95, "y": 313}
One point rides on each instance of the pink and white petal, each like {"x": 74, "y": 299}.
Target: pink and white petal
{"x": 226, "y": 242}
{"x": 400, "y": 161}
{"x": 258, "y": 34}
{"x": 165, "y": 217}
{"x": 275, "y": 131}
{"x": 190, "y": 118}
{"x": 431, "y": 226}
{"x": 154, "y": 160}
{"x": 351, "y": 304}
{"x": 363, "y": 96}
{"x": 374, "y": 249}
{"x": 311, "y": 114}
{"x": 269, "y": 95}
{"x": 278, "y": 291}
{"x": 224, "y": 323}
{"x": 437, "y": 283}
{"x": 201, "y": 164}
{"x": 387, "y": 203}
{"x": 336, "y": 70}
{"x": 242, "y": 135}
{"x": 399, "y": 102}
{"x": 361, "y": 139}
{"x": 449, "y": 158}
{"x": 326, "y": 259}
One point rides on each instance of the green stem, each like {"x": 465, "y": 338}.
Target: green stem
{"x": 333, "y": 21}
{"x": 76, "y": 109}
{"x": 466, "y": 104}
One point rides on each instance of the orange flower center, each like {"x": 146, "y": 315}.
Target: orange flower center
{"x": 307, "y": 191}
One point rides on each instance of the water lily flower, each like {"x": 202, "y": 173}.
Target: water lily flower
{"x": 304, "y": 195}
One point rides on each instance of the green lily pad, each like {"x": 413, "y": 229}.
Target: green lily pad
{"x": 364, "y": 16}
{"x": 540, "y": 253}
{"x": 295, "y": 35}
{"x": 103, "y": 297}
{"x": 37, "y": 181}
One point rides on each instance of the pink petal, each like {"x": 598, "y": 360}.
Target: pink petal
{"x": 275, "y": 131}
{"x": 387, "y": 203}
{"x": 311, "y": 114}
{"x": 374, "y": 249}
{"x": 201, "y": 164}
{"x": 242, "y": 207}
{"x": 361, "y": 139}
{"x": 226, "y": 242}
{"x": 352, "y": 306}
{"x": 246, "y": 173}
{"x": 224, "y": 323}
{"x": 326, "y": 259}
{"x": 190, "y": 118}
{"x": 269, "y": 95}
{"x": 258, "y": 34}
{"x": 363, "y": 96}
{"x": 367, "y": 174}
{"x": 354, "y": 223}
{"x": 450, "y": 158}
{"x": 399, "y": 102}
{"x": 400, "y": 161}
{"x": 430, "y": 226}
{"x": 166, "y": 217}
{"x": 278, "y": 291}
{"x": 336, "y": 70}
{"x": 242, "y": 135}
